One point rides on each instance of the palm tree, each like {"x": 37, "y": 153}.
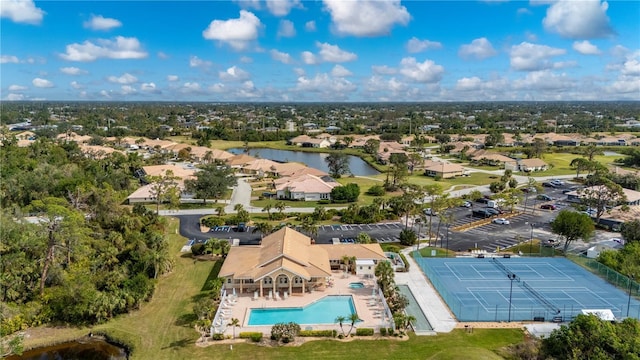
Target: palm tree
{"x": 235, "y": 323}
{"x": 263, "y": 228}
{"x": 384, "y": 273}
{"x": 309, "y": 226}
{"x": 353, "y": 318}
{"x": 267, "y": 208}
{"x": 409, "y": 319}
{"x": 280, "y": 206}
{"x": 340, "y": 320}
{"x": 238, "y": 207}
{"x": 224, "y": 246}
{"x": 220, "y": 211}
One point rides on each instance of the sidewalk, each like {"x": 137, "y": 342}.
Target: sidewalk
{"x": 433, "y": 307}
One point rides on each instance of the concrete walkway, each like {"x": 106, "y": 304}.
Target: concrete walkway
{"x": 430, "y": 302}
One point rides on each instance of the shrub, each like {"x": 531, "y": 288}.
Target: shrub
{"x": 389, "y": 331}
{"x": 217, "y": 337}
{"x": 383, "y": 331}
{"x": 212, "y": 221}
{"x": 364, "y": 332}
{"x": 318, "y": 333}
{"x": 376, "y": 190}
{"x": 197, "y": 249}
{"x": 324, "y": 202}
{"x": 285, "y": 331}
{"x": 253, "y": 335}
{"x": 406, "y": 263}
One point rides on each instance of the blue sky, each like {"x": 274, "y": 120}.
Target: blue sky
{"x": 329, "y": 50}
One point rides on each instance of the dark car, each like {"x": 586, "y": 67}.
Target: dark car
{"x": 483, "y": 201}
{"x": 548, "y": 207}
{"x": 493, "y": 211}
{"x": 242, "y": 227}
{"x": 544, "y": 197}
{"x": 482, "y": 213}
{"x": 548, "y": 184}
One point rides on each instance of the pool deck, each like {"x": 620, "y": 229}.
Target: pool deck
{"x": 371, "y": 315}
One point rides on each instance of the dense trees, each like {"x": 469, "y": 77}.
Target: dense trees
{"x": 211, "y": 182}
{"x": 338, "y": 164}
{"x": 85, "y": 258}
{"x": 346, "y": 193}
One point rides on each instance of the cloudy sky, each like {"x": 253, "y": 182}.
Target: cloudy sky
{"x": 324, "y": 50}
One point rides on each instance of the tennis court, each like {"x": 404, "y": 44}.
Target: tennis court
{"x": 542, "y": 289}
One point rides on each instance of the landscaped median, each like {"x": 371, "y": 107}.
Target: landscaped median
{"x": 478, "y": 223}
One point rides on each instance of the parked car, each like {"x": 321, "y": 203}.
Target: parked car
{"x": 544, "y": 197}
{"x": 483, "y": 200}
{"x": 557, "y": 182}
{"x": 566, "y": 191}
{"x": 548, "y": 207}
{"x": 466, "y": 204}
{"x": 529, "y": 190}
{"x": 482, "y": 213}
{"x": 242, "y": 227}
{"x": 429, "y": 212}
{"x": 549, "y": 184}
{"x": 501, "y": 221}
{"x": 494, "y": 211}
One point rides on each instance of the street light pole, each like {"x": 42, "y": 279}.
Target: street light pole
{"x": 531, "y": 239}
{"x": 629, "y": 301}
{"x": 511, "y": 277}
{"x": 448, "y": 225}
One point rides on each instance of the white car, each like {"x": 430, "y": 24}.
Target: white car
{"x": 429, "y": 212}
{"x": 557, "y": 182}
{"x": 466, "y": 204}
{"x": 501, "y": 221}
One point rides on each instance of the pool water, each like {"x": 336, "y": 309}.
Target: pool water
{"x": 323, "y": 311}
{"x": 356, "y": 285}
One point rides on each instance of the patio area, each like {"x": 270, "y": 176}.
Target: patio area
{"x": 369, "y": 305}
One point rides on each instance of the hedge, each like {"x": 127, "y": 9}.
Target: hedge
{"x": 406, "y": 263}
{"x": 383, "y": 331}
{"x": 253, "y": 335}
{"x": 318, "y": 333}
{"x": 364, "y": 332}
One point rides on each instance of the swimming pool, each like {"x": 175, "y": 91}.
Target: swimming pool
{"x": 323, "y": 311}
{"x": 356, "y": 285}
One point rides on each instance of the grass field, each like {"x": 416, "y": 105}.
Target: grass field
{"x": 162, "y": 329}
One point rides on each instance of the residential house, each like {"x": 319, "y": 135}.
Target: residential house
{"x": 261, "y": 167}
{"x": 305, "y": 187}
{"x": 299, "y": 140}
{"x": 240, "y": 160}
{"x": 494, "y": 160}
{"x": 529, "y": 165}
{"x": 444, "y": 170}
{"x": 287, "y": 260}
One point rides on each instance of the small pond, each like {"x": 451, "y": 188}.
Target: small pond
{"x": 357, "y": 166}
{"x": 82, "y": 349}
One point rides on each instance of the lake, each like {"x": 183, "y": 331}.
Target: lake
{"x": 357, "y": 166}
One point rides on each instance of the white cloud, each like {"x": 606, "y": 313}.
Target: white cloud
{"x": 196, "y": 62}
{"x": 532, "y": 57}
{"x": 73, "y": 71}
{"x": 126, "y": 78}
{"x": 585, "y": 48}
{"x": 246, "y": 60}
{"x": 480, "y": 49}
{"x": 286, "y": 29}
{"x": 42, "y": 83}
{"x": 366, "y": 17}
{"x": 238, "y": 33}
{"x": 340, "y": 71}
{"x": 76, "y": 85}
{"x": 469, "y": 84}
{"x": 162, "y": 55}
{"x": 585, "y": 19}
{"x": 120, "y": 48}
{"x": 310, "y": 26}
{"x": 425, "y": 72}
{"x": 524, "y": 11}
{"x": 383, "y": 70}
{"x": 631, "y": 66}
{"x": 15, "y": 97}
{"x": 128, "y": 90}
{"x": 98, "y": 22}
{"x": 391, "y": 87}
{"x": 233, "y": 73}
{"x": 149, "y": 87}
{"x": 415, "y": 45}
{"x": 8, "y": 59}
{"x": 105, "y": 93}
{"x": 323, "y": 83}
{"x": 217, "y": 88}
{"x": 332, "y": 53}
{"x": 21, "y": 11}
{"x": 282, "y": 7}
{"x": 544, "y": 80}
{"x": 299, "y": 71}
{"x": 309, "y": 58}
{"x": 173, "y": 78}
{"x": 190, "y": 87}
{"x": 17, "y": 88}
{"x": 281, "y": 56}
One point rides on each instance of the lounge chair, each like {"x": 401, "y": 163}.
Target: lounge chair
{"x": 278, "y": 295}
{"x": 286, "y": 295}
{"x": 255, "y": 296}
{"x": 270, "y": 295}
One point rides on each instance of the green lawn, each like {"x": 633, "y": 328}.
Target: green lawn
{"x": 561, "y": 161}
{"x": 162, "y": 329}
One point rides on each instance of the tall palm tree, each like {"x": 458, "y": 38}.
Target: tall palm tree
{"x": 353, "y": 318}
{"x": 280, "y": 206}
{"x": 235, "y": 323}
{"x": 408, "y": 320}
{"x": 340, "y": 320}
{"x": 309, "y": 227}
{"x": 220, "y": 211}
{"x": 267, "y": 208}
{"x": 263, "y": 228}
{"x": 238, "y": 207}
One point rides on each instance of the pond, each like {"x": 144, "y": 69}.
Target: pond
{"x": 357, "y": 166}
{"x": 82, "y": 349}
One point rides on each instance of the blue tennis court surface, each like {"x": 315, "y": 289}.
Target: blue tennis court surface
{"x": 478, "y": 289}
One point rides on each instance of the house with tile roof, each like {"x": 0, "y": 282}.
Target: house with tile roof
{"x": 444, "y": 170}
{"x": 287, "y": 260}
{"x": 305, "y": 187}
{"x": 528, "y": 165}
